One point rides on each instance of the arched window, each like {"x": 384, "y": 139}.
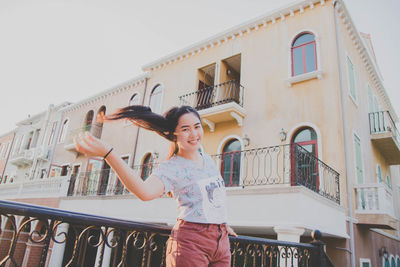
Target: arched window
{"x": 88, "y": 121}
{"x": 98, "y": 129}
{"x": 147, "y": 166}
{"x": 393, "y": 262}
{"x": 304, "y": 54}
{"x": 155, "y": 98}
{"x": 230, "y": 164}
{"x": 64, "y": 129}
{"x": 398, "y": 261}
{"x": 134, "y": 100}
{"x": 304, "y": 163}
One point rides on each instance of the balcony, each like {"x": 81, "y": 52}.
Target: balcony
{"x": 78, "y": 239}
{"x": 385, "y": 136}
{"x": 100, "y": 183}
{"x": 219, "y": 103}
{"x": 293, "y": 179}
{"x": 23, "y": 158}
{"x": 94, "y": 129}
{"x": 49, "y": 187}
{"x": 374, "y": 207}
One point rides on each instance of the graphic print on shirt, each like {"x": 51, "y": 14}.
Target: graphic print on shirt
{"x": 213, "y": 193}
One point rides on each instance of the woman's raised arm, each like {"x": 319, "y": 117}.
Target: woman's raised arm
{"x": 145, "y": 190}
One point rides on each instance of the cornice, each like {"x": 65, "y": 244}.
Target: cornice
{"x": 108, "y": 92}
{"x": 239, "y": 31}
{"x": 365, "y": 55}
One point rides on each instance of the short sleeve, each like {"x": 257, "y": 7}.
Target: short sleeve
{"x": 167, "y": 174}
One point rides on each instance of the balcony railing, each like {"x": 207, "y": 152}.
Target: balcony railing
{"x": 381, "y": 122}
{"x": 230, "y": 91}
{"x": 104, "y": 182}
{"x": 374, "y": 199}
{"x": 34, "y": 188}
{"x": 289, "y": 165}
{"x": 279, "y": 165}
{"x": 78, "y": 239}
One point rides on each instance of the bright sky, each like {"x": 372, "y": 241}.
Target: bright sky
{"x": 53, "y": 51}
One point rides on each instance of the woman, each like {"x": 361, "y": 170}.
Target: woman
{"x": 200, "y": 236}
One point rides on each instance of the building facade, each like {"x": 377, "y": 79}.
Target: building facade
{"x": 295, "y": 115}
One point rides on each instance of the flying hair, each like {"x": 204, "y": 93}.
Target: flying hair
{"x": 143, "y": 117}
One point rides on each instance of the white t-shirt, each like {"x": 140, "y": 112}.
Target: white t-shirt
{"x": 199, "y": 190}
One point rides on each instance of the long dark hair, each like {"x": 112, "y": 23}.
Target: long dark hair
{"x": 163, "y": 125}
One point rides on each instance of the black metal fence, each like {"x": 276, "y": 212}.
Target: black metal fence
{"x": 290, "y": 165}
{"x": 38, "y": 236}
{"x": 230, "y": 91}
{"x": 104, "y": 182}
{"x": 284, "y": 164}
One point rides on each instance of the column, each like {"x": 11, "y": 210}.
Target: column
{"x": 290, "y": 234}
{"x": 57, "y": 251}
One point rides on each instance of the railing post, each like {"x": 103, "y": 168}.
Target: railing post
{"x": 318, "y": 256}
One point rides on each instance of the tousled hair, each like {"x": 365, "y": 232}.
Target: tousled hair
{"x": 164, "y": 125}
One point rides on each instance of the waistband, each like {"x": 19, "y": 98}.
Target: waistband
{"x": 181, "y": 222}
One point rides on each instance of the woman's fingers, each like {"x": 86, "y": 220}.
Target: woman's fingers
{"x": 230, "y": 231}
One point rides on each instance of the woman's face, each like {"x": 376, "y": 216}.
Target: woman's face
{"x": 189, "y": 133}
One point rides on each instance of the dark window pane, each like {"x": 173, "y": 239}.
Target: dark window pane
{"x": 305, "y": 135}
{"x": 231, "y": 163}
{"x": 297, "y": 61}
{"x": 310, "y": 57}
{"x": 302, "y": 39}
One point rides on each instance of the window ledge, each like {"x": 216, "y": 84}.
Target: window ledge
{"x": 304, "y": 77}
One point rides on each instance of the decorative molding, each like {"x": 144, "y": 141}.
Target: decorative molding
{"x": 304, "y": 77}
{"x": 234, "y": 32}
{"x": 210, "y": 124}
{"x": 237, "y": 117}
{"x": 369, "y": 63}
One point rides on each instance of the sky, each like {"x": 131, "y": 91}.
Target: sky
{"x": 53, "y": 51}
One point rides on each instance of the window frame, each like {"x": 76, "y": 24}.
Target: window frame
{"x": 309, "y": 75}
{"x": 365, "y": 260}
{"x": 143, "y": 165}
{"x": 161, "y": 93}
{"x": 234, "y": 153}
{"x": 63, "y": 131}
{"x": 355, "y": 135}
{"x": 355, "y": 97}
{"x": 303, "y": 53}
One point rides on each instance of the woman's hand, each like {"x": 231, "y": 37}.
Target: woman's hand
{"x": 91, "y": 146}
{"x": 230, "y": 231}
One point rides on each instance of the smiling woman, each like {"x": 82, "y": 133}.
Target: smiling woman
{"x": 200, "y": 236}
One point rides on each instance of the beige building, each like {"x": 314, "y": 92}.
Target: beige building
{"x": 6, "y": 141}
{"x": 296, "y": 117}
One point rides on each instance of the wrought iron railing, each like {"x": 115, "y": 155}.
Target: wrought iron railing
{"x": 382, "y": 121}
{"x": 277, "y": 165}
{"x": 230, "y": 91}
{"x": 284, "y": 164}
{"x": 76, "y": 239}
{"x": 104, "y": 182}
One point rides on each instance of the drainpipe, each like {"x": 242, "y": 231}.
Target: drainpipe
{"x": 8, "y": 156}
{"x": 346, "y": 138}
{"x": 138, "y": 128}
